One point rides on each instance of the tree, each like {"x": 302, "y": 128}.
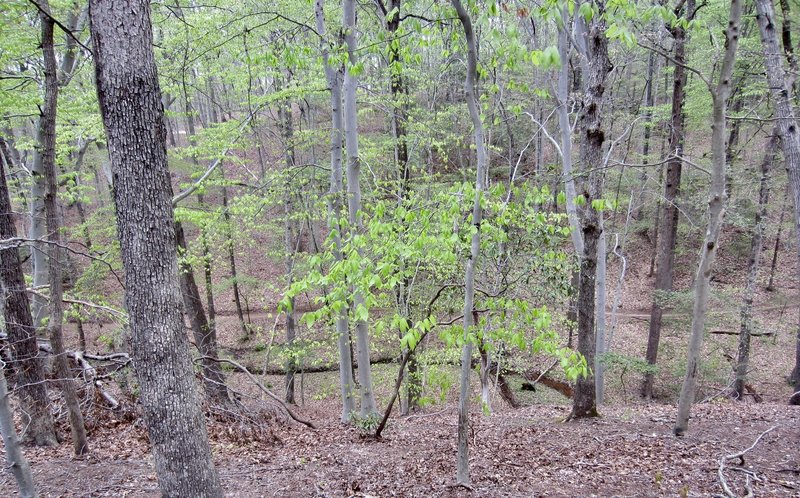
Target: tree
{"x": 336, "y": 210}
{"x": 668, "y": 226}
{"x": 130, "y": 104}
{"x": 27, "y": 366}
{"x": 16, "y": 460}
{"x": 470, "y": 85}
{"x": 716, "y": 211}
{"x": 786, "y": 124}
{"x": 598, "y": 65}
{"x": 47, "y": 159}
{"x": 350, "y": 112}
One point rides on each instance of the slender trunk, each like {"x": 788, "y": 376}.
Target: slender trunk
{"x": 746, "y": 311}
{"x": 668, "y": 227}
{"x": 130, "y": 104}
{"x": 16, "y": 460}
{"x": 566, "y": 135}
{"x": 290, "y": 238}
{"x": 716, "y": 211}
{"x": 38, "y": 229}
{"x": 47, "y": 154}
{"x": 336, "y": 210}
{"x": 229, "y": 246}
{"x": 470, "y": 89}
{"x": 649, "y": 100}
{"x": 774, "y": 265}
{"x": 205, "y": 337}
{"x": 600, "y": 316}
{"x": 26, "y": 365}
{"x": 368, "y": 406}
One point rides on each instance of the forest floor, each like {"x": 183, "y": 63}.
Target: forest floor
{"x": 629, "y": 451}
{"x": 529, "y": 451}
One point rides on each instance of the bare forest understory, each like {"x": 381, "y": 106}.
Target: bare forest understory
{"x": 528, "y": 451}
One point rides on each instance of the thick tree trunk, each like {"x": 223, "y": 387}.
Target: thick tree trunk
{"x": 205, "y": 336}
{"x": 47, "y": 154}
{"x": 16, "y": 460}
{"x": 786, "y": 124}
{"x": 26, "y": 366}
{"x": 668, "y": 227}
{"x": 470, "y": 89}
{"x": 368, "y": 406}
{"x": 130, "y": 103}
{"x": 716, "y": 211}
{"x": 584, "y": 403}
{"x": 336, "y": 209}
{"x": 753, "y": 265}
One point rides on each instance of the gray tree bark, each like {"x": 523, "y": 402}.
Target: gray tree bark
{"x": 335, "y": 208}
{"x": 130, "y": 104}
{"x": 470, "y": 89}
{"x": 16, "y": 460}
{"x": 716, "y": 211}
{"x": 786, "y": 124}
{"x": 368, "y": 406}
{"x": 753, "y": 266}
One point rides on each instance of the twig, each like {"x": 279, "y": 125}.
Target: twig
{"x": 740, "y": 455}
{"x": 261, "y": 387}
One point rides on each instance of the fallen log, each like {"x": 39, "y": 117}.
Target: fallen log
{"x": 733, "y": 332}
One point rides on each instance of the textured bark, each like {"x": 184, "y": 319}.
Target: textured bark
{"x": 205, "y": 336}
{"x": 470, "y": 89}
{"x": 716, "y": 211}
{"x": 668, "y": 226}
{"x": 336, "y": 210}
{"x": 16, "y": 460}
{"x": 786, "y": 124}
{"x": 47, "y": 156}
{"x": 753, "y": 265}
{"x": 368, "y": 406}
{"x": 584, "y": 403}
{"x": 130, "y": 103}
{"x": 26, "y": 366}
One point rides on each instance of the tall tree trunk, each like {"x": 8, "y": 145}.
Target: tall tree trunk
{"x": 130, "y": 103}
{"x": 205, "y": 337}
{"x": 16, "y": 460}
{"x": 584, "y": 402}
{"x": 716, "y": 211}
{"x": 27, "y": 366}
{"x": 38, "y": 228}
{"x": 470, "y": 89}
{"x": 336, "y": 209}
{"x": 47, "y": 153}
{"x": 668, "y": 227}
{"x": 566, "y": 134}
{"x": 786, "y": 124}
{"x": 753, "y": 265}
{"x": 368, "y": 406}
{"x": 286, "y": 124}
